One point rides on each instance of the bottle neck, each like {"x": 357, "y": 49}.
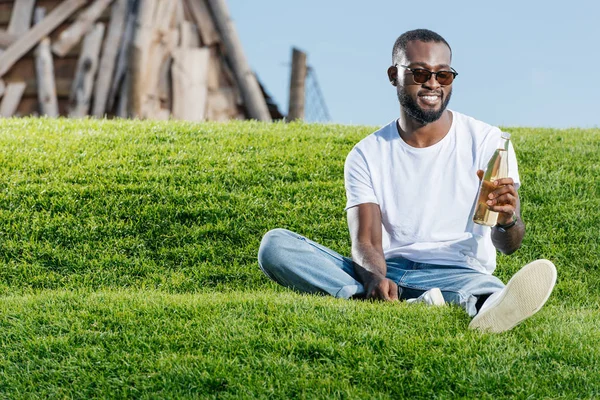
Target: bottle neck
{"x": 504, "y": 143}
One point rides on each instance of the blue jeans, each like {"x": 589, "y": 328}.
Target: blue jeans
{"x": 303, "y": 265}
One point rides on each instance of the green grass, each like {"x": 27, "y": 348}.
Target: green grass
{"x": 128, "y": 270}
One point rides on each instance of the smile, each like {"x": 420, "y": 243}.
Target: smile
{"x": 430, "y": 99}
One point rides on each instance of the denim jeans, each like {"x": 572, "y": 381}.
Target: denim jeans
{"x": 303, "y": 265}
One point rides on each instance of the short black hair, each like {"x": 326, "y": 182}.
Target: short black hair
{"x": 424, "y": 35}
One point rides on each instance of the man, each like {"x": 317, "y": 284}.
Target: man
{"x": 411, "y": 188}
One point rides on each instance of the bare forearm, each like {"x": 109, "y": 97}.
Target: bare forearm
{"x": 509, "y": 241}
{"x": 369, "y": 262}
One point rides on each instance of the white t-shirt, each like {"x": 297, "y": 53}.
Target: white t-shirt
{"x": 427, "y": 195}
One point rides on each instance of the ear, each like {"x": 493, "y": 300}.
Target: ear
{"x": 393, "y": 75}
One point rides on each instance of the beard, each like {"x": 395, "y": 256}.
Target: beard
{"x": 417, "y": 113}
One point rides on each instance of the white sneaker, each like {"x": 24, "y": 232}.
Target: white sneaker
{"x": 524, "y": 295}
{"x": 432, "y": 297}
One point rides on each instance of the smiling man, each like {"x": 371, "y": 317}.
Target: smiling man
{"x": 410, "y": 193}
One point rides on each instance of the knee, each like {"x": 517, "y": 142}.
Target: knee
{"x": 272, "y": 245}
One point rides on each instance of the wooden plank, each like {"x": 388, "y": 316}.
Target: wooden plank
{"x": 124, "y": 54}
{"x": 159, "y": 91}
{"x": 81, "y": 91}
{"x": 20, "y": 19}
{"x": 190, "y": 90}
{"x": 35, "y": 34}
{"x": 220, "y": 75}
{"x": 179, "y": 14}
{"x": 110, "y": 52}
{"x": 82, "y": 25}
{"x": 20, "y": 22}
{"x": 24, "y": 69}
{"x": 7, "y": 8}
{"x": 165, "y": 16}
{"x": 2, "y": 87}
{"x": 45, "y": 78}
{"x": 124, "y": 95}
{"x": 6, "y": 39}
{"x": 165, "y": 84}
{"x": 158, "y": 94}
{"x": 201, "y": 14}
{"x": 222, "y": 105}
{"x": 214, "y": 69}
{"x": 49, "y": 5}
{"x": 44, "y": 66}
{"x": 154, "y": 41}
{"x": 11, "y": 98}
{"x": 29, "y": 105}
{"x": 188, "y": 36}
{"x": 140, "y": 49}
{"x": 63, "y": 87}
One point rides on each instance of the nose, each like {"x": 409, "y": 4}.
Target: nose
{"x": 432, "y": 82}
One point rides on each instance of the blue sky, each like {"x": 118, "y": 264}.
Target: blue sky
{"x": 520, "y": 63}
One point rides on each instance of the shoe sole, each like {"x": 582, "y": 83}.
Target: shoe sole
{"x": 524, "y": 295}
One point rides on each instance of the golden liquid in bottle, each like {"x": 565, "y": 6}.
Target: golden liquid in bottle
{"x": 483, "y": 215}
{"x": 497, "y": 168}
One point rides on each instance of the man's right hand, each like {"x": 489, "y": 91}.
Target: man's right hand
{"x": 382, "y": 289}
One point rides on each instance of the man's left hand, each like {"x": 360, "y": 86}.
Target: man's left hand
{"x": 503, "y": 199}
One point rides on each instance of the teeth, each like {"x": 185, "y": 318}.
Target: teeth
{"x": 430, "y": 98}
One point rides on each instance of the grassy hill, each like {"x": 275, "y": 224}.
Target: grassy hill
{"x": 128, "y": 269}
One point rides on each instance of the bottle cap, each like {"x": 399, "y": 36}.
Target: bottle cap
{"x": 505, "y": 135}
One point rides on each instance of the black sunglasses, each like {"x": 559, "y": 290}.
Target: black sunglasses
{"x": 421, "y": 75}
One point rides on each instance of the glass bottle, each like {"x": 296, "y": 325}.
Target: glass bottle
{"x": 497, "y": 168}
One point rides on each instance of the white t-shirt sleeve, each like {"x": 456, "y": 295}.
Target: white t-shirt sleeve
{"x": 357, "y": 178}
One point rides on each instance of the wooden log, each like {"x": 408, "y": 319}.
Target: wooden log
{"x": 81, "y": 91}
{"x": 2, "y": 87}
{"x": 201, "y": 15}
{"x": 124, "y": 54}
{"x": 26, "y": 42}
{"x": 12, "y": 98}
{"x": 44, "y": 66}
{"x": 110, "y": 52}
{"x": 190, "y": 90}
{"x": 297, "y": 86}
{"x": 82, "y": 25}
{"x": 251, "y": 92}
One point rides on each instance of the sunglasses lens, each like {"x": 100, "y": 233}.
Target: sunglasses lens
{"x": 421, "y": 75}
{"x": 445, "y": 77}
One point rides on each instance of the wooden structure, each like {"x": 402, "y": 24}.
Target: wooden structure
{"x": 297, "y": 85}
{"x": 155, "y": 59}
